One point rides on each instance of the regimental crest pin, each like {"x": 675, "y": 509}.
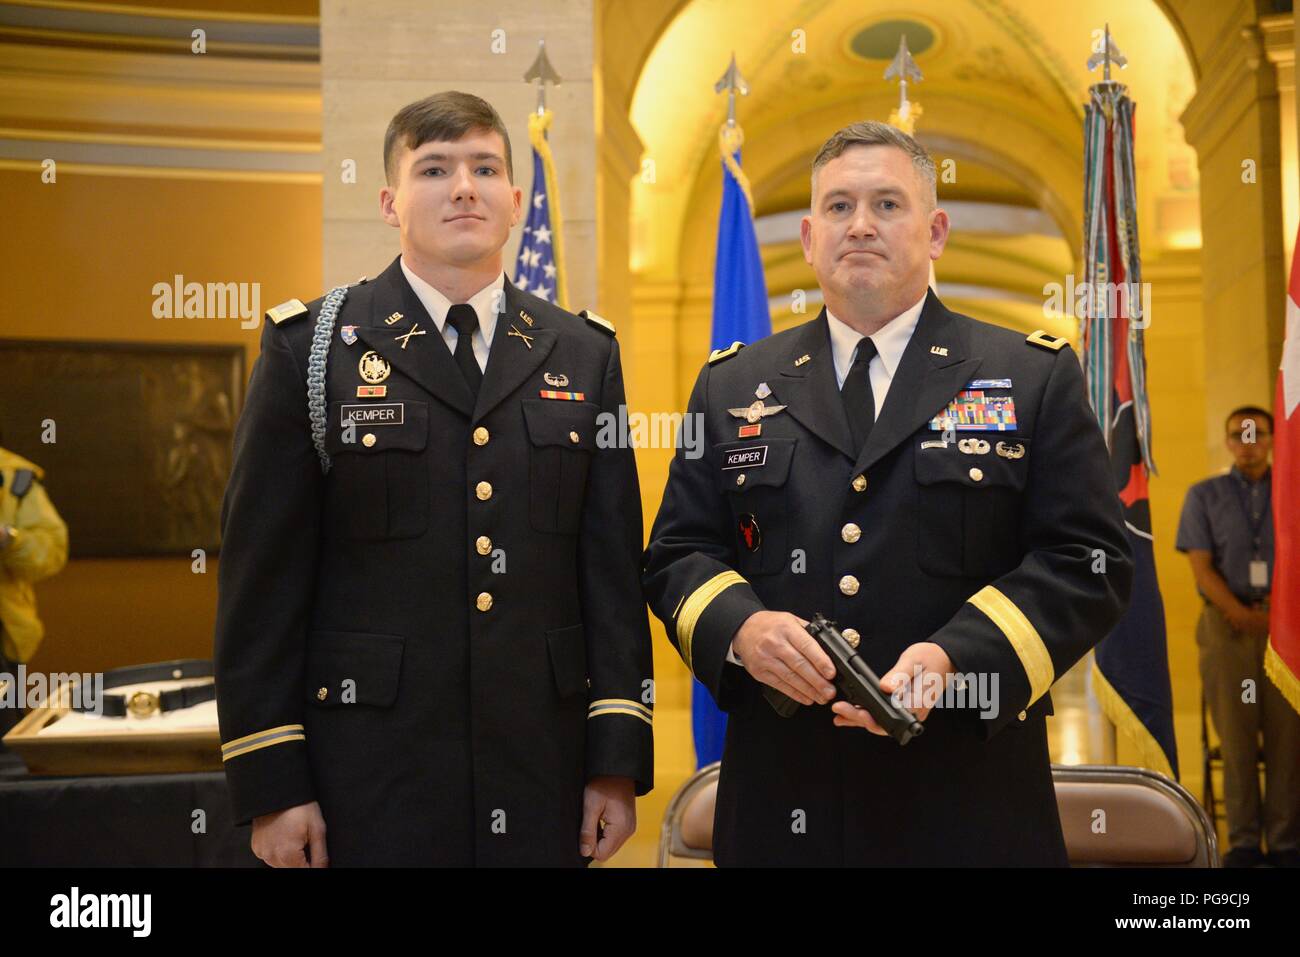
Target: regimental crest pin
{"x": 762, "y": 391}
{"x": 374, "y": 368}
{"x": 348, "y": 334}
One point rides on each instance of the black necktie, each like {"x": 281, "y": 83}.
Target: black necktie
{"x": 859, "y": 402}
{"x": 465, "y": 320}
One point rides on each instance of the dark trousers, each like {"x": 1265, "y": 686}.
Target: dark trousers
{"x": 1241, "y": 713}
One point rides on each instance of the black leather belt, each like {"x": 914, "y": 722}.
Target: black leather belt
{"x": 142, "y": 704}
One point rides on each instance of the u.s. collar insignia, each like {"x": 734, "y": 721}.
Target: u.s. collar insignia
{"x": 374, "y": 368}
{"x": 801, "y": 360}
{"x": 558, "y": 381}
{"x": 525, "y": 317}
{"x": 756, "y": 411}
{"x": 939, "y": 350}
{"x": 348, "y": 334}
{"x": 395, "y": 317}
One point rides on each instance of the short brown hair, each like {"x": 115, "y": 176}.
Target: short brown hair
{"x": 443, "y": 116}
{"x": 875, "y": 133}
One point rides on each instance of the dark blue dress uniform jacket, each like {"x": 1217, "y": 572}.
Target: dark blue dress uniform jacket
{"x": 444, "y": 637}
{"x": 1015, "y": 566}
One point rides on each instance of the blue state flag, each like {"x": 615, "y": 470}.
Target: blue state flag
{"x": 739, "y": 313}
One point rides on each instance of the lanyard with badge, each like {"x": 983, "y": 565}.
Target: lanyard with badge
{"x": 1258, "y": 566}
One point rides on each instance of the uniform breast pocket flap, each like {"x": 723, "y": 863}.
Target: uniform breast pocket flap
{"x": 562, "y": 438}
{"x": 371, "y": 428}
{"x": 976, "y": 464}
{"x": 757, "y": 463}
{"x": 353, "y": 668}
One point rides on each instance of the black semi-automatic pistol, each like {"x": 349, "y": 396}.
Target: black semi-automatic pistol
{"x": 854, "y": 682}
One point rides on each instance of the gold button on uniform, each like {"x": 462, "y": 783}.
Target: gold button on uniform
{"x": 483, "y": 544}
{"x": 322, "y": 694}
{"x": 483, "y": 490}
{"x": 573, "y": 437}
{"x": 484, "y": 601}
{"x": 481, "y": 436}
{"x": 368, "y": 439}
{"x": 976, "y": 474}
{"x": 859, "y": 483}
{"x": 849, "y": 585}
{"x": 851, "y": 636}
{"x": 850, "y": 533}
{"x": 1022, "y": 715}
{"x": 740, "y": 479}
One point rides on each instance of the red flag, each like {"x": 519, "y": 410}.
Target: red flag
{"x": 1282, "y": 661}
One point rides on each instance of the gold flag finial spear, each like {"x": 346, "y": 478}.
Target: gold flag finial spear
{"x": 543, "y": 73}
{"x": 733, "y": 83}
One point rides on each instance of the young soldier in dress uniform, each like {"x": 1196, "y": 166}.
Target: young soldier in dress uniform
{"x": 430, "y": 633}
{"x": 936, "y": 485}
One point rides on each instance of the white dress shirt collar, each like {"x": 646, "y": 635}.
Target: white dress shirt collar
{"x": 438, "y": 305}
{"x": 891, "y": 340}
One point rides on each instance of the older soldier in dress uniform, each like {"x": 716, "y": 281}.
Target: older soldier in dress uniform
{"x": 430, "y": 635}
{"x": 936, "y": 485}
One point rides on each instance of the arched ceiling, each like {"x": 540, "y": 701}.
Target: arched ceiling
{"x": 1002, "y": 98}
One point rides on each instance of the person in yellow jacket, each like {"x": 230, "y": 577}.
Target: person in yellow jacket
{"x": 33, "y": 545}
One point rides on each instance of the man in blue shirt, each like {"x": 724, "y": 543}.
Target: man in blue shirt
{"x": 1227, "y": 533}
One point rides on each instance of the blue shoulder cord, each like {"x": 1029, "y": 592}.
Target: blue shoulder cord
{"x": 316, "y": 359}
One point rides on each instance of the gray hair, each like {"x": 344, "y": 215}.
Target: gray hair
{"x": 874, "y": 133}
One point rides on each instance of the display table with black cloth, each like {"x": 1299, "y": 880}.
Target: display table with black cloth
{"x": 130, "y": 820}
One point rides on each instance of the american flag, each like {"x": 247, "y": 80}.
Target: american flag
{"x": 536, "y": 270}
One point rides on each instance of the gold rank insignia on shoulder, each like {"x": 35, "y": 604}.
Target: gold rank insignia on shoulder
{"x": 1044, "y": 340}
{"x": 717, "y": 355}
{"x": 289, "y": 309}
{"x": 600, "y": 322}
{"x": 802, "y": 359}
